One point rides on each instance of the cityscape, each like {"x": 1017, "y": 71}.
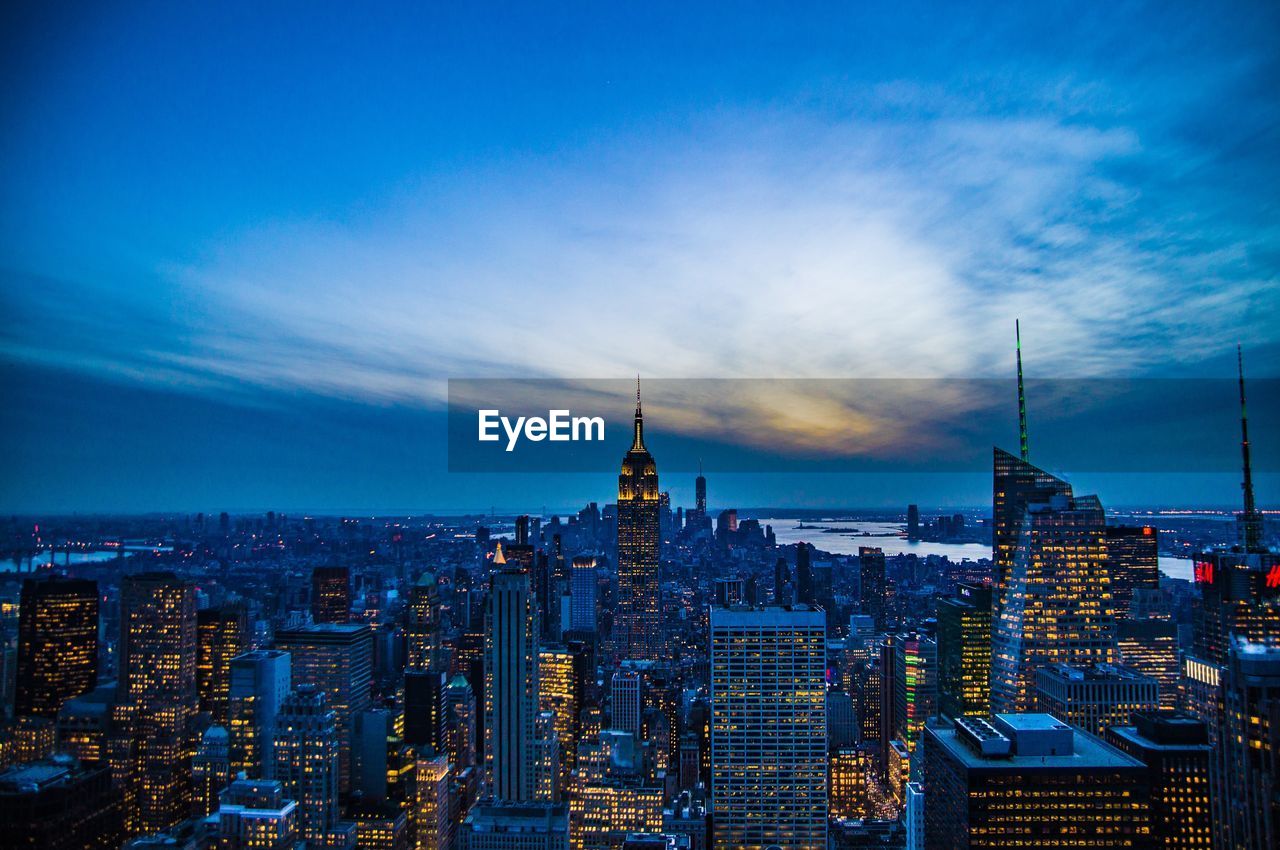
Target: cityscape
{"x": 663, "y": 426}
{"x": 646, "y": 676}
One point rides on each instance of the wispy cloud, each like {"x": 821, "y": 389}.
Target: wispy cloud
{"x": 760, "y": 243}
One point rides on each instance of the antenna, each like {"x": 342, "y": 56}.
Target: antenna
{"x": 1022, "y": 396}
{"x": 1250, "y": 519}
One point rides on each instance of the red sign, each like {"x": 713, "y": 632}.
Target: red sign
{"x": 1203, "y": 572}
{"x": 1273, "y": 577}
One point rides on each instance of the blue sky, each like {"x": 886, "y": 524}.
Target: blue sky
{"x": 313, "y": 215}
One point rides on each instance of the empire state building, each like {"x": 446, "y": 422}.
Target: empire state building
{"x": 637, "y": 632}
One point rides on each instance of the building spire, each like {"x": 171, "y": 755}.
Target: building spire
{"x": 637, "y": 442}
{"x": 1250, "y": 520}
{"x": 1022, "y": 396}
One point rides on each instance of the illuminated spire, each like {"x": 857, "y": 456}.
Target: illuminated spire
{"x": 1250, "y": 520}
{"x": 1022, "y": 396}
{"x": 637, "y": 442}
{"x": 498, "y": 557}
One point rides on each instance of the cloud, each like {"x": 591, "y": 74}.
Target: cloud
{"x": 757, "y": 243}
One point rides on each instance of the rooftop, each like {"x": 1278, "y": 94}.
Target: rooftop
{"x": 1025, "y": 742}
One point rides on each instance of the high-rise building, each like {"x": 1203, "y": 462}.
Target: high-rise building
{"x": 637, "y": 627}
{"x": 210, "y": 771}
{"x": 423, "y": 629}
{"x": 768, "y": 727}
{"x": 1133, "y": 561}
{"x": 337, "y": 658}
{"x": 805, "y": 594}
{"x": 156, "y": 700}
{"x": 1030, "y": 780}
{"x": 611, "y": 795}
{"x": 511, "y": 685}
{"x": 84, "y": 725}
{"x": 1232, "y": 676}
{"x": 306, "y": 760}
{"x": 626, "y": 700}
{"x": 221, "y": 635}
{"x": 57, "y": 644}
{"x": 1175, "y": 749}
{"x": 59, "y": 804}
{"x": 331, "y": 594}
{"x": 260, "y": 681}
{"x": 964, "y": 652}
{"x": 560, "y": 690}
{"x": 842, "y": 719}
{"x": 850, "y": 782}
{"x": 1150, "y": 647}
{"x": 873, "y": 588}
{"x": 913, "y": 522}
{"x": 516, "y": 826}
{"x": 433, "y": 820}
{"x": 424, "y": 709}
{"x": 1055, "y": 601}
{"x": 460, "y": 722}
{"x": 582, "y": 593}
{"x": 1015, "y": 485}
{"x": 1095, "y": 697}
{"x": 255, "y": 814}
{"x": 915, "y": 685}
{"x": 1248, "y": 740}
{"x": 546, "y": 758}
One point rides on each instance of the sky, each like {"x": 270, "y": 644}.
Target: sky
{"x": 244, "y": 247}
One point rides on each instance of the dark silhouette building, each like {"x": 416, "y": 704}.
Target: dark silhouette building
{"x": 57, "y": 644}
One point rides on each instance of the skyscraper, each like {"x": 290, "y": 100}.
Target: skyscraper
{"x": 330, "y": 594}
{"x": 915, "y": 685}
{"x": 1175, "y": 750}
{"x": 507, "y": 826}
{"x": 260, "y": 681}
{"x": 964, "y": 652}
{"x": 424, "y": 712}
{"x": 511, "y": 685}
{"x": 423, "y": 629}
{"x": 582, "y": 592}
{"x": 700, "y": 492}
{"x": 156, "y": 699}
{"x": 1029, "y": 780}
{"x": 254, "y": 814}
{"x": 872, "y": 584}
{"x": 768, "y": 728}
{"x": 57, "y": 644}
{"x": 626, "y": 700}
{"x": 1094, "y": 697}
{"x": 433, "y": 822}
{"x": 1055, "y": 601}
{"x": 460, "y": 722}
{"x": 337, "y": 658}
{"x": 1150, "y": 647}
{"x": 1232, "y": 675}
{"x": 59, "y": 804}
{"x": 306, "y": 760}
{"x": 221, "y": 635}
{"x": 210, "y": 771}
{"x": 637, "y": 625}
{"x": 804, "y": 575}
{"x": 560, "y": 690}
{"x": 1015, "y": 484}
{"x": 1133, "y": 560}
